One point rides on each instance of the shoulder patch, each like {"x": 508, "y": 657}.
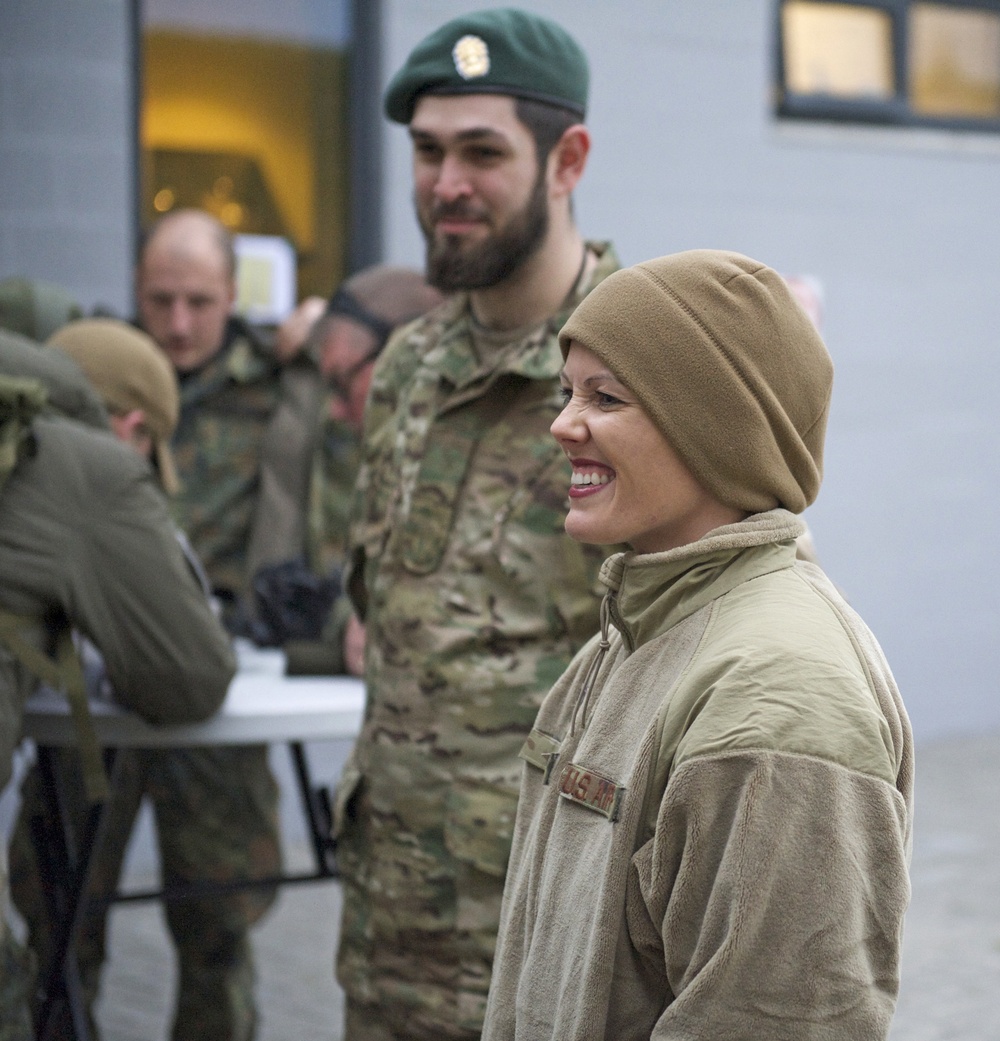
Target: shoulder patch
{"x": 542, "y": 751}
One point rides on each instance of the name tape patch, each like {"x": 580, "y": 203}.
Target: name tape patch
{"x": 590, "y": 789}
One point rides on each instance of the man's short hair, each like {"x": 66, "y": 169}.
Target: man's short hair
{"x": 547, "y": 123}
{"x": 222, "y": 235}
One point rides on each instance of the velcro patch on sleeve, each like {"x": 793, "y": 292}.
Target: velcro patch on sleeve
{"x": 583, "y": 786}
{"x": 541, "y": 750}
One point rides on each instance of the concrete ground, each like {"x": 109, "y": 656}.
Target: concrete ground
{"x": 951, "y": 951}
{"x": 951, "y": 959}
{"x": 294, "y": 948}
{"x": 294, "y": 945}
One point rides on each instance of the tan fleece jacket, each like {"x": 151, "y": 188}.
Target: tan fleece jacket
{"x": 713, "y": 845}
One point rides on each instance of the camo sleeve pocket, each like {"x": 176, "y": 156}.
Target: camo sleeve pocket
{"x": 479, "y": 825}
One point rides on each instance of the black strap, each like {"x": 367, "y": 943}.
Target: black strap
{"x": 346, "y": 303}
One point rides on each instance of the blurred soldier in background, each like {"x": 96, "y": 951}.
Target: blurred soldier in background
{"x": 138, "y": 388}
{"x": 86, "y": 542}
{"x": 345, "y": 336}
{"x": 216, "y": 807}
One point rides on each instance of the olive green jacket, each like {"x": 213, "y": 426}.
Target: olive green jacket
{"x": 713, "y": 841}
{"x": 86, "y": 540}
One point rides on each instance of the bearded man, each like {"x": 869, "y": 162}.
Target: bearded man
{"x": 473, "y": 597}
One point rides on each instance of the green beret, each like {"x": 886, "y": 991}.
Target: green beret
{"x": 502, "y": 51}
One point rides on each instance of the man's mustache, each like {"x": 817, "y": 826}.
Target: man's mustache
{"x": 456, "y": 211}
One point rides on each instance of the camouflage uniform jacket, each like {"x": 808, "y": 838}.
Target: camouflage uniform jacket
{"x": 225, "y": 409}
{"x": 474, "y": 601}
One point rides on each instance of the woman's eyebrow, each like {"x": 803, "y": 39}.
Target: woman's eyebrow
{"x": 591, "y": 380}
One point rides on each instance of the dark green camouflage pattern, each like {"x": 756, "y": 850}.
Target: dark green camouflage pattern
{"x": 216, "y": 808}
{"x": 225, "y": 410}
{"x": 216, "y": 819}
{"x": 331, "y": 489}
{"x": 475, "y": 601}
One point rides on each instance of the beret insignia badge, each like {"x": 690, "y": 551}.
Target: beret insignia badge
{"x": 471, "y": 57}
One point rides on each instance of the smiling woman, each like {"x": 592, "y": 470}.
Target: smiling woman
{"x": 714, "y": 819}
{"x": 615, "y": 449}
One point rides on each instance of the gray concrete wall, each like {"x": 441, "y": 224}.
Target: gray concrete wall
{"x": 900, "y": 227}
{"x": 66, "y": 146}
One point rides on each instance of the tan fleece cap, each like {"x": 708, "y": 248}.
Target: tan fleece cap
{"x": 727, "y": 365}
{"x": 129, "y": 372}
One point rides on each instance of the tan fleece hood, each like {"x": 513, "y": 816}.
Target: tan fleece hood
{"x": 727, "y": 365}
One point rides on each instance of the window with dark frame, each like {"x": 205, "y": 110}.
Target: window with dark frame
{"x": 245, "y": 115}
{"x": 897, "y": 62}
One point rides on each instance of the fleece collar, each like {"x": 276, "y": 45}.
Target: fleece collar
{"x": 652, "y": 592}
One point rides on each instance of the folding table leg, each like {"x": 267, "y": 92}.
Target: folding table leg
{"x": 65, "y": 864}
{"x": 318, "y": 812}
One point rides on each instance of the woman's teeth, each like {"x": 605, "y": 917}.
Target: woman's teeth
{"x": 581, "y": 478}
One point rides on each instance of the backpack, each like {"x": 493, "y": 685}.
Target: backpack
{"x": 20, "y": 401}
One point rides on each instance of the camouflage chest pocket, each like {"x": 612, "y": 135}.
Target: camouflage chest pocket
{"x": 427, "y": 530}
{"x": 451, "y": 444}
{"x": 537, "y": 506}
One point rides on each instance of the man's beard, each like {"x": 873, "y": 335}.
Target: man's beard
{"x": 453, "y": 265}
